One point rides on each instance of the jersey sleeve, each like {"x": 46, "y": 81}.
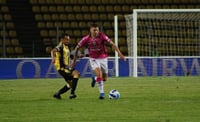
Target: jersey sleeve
{"x": 59, "y": 46}
{"x": 105, "y": 37}
{"x": 83, "y": 41}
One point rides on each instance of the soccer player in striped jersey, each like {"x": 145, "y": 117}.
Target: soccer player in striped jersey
{"x": 95, "y": 42}
{"x": 61, "y": 58}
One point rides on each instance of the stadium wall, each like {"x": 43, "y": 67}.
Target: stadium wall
{"x": 43, "y": 68}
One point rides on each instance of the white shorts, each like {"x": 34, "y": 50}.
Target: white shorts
{"x": 99, "y": 63}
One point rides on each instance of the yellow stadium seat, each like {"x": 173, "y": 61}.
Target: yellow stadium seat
{"x": 82, "y": 24}
{"x": 4, "y": 9}
{"x": 41, "y": 25}
{"x": 65, "y": 24}
{"x": 101, "y": 8}
{"x": 87, "y": 16}
{"x": 84, "y": 8}
{"x": 7, "y": 17}
{"x": 52, "y": 33}
{"x": 95, "y": 17}
{"x": 47, "y": 17}
{"x": 74, "y": 24}
{"x": 48, "y": 49}
{"x": 49, "y": 24}
{"x": 10, "y": 25}
{"x": 55, "y": 17}
{"x": 44, "y": 33}
{"x": 36, "y": 9}
{"x": 12, "y": 33}
{"x": 68, "y": 8}
{"x": 60, "y": 9}
{"x": 18, "y": 50}
{"x": 93, "y": 8}
{"x": 77, "y": 33}
{"x": 52, "y": 9}
{"x": 117, "y": 8}
{"x": 15, "y": 42}
{"x": 63, "y": 17}
{"x": 79, "y": 16}
{"x": 58, "y": 24}
{"x": 44, "y": 9}
{"x": 10, "y": 50}
{"x": 38, "y": 17}
{"x": 76, "y": 8}
{"x": 71, "y": 17}
{"x": 109, "y": 8}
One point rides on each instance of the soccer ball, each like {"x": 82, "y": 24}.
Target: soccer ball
{"x": 114, "y": 94}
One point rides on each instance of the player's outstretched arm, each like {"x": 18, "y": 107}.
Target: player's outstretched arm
{"x": 53, "y": 55}
{"x": 118, "y": 51}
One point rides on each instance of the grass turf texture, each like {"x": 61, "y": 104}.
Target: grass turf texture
{"x": 146, "y": 99}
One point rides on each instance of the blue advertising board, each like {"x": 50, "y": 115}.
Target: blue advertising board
{"x": 43, "y": 68}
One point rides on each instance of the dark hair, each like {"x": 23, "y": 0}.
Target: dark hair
{"x": 93, "y": 25}
{"x": 63, "y": 35}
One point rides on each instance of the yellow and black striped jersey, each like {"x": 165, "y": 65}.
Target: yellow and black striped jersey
{"x": 62, "y": 56}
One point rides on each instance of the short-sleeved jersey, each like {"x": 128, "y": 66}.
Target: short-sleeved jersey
{"x": 96, "y": 46}
{"x": 62, "y": 56}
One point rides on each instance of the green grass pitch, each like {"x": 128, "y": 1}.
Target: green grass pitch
{"x": 143, "y": 99}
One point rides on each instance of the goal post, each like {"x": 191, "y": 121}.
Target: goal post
{"x": 161, "y": 34}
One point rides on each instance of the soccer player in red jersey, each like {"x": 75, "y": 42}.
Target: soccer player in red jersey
{"x": 95, "y": 42}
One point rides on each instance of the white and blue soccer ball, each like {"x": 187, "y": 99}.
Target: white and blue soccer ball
{"x": 114, "y": 94}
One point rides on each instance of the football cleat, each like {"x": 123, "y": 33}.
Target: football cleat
{"x": 72, "y": 96}
{"x": 57, "y": 96}
{"x": 102, "y": 96}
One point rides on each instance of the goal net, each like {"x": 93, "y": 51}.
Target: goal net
{"x": 156, "y": 38}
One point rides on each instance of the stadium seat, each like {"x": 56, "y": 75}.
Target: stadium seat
{"x": 4, "y": 9}
{"x": 58, "y": 24}
{"x": 77, "y": 9}
{"x": 66, "y": 25}
{"x": 18, "y": 50}
{"x": 84, "y": 8}
{"x": 44, "y": 33}
{"x": 12, "y": 33}
{"x": 74, "y": 24}
{"x": 15, "y": 42}
{"x": 77, "y": 33}
{"x": 60, "y": 9}
{"x": 55, "y": 17}
{"x": 101, "y": 8}
{"x": 49, "y": 25}
{"x": 52, "y": 33}
{"x": 79, "y": 16}
{"x": 93, "y": 8}
{"x": 41, "y": 25}
{"x": 68, "y": 8}
{"x": 117, "y": 8}
{"x": 36, "y": 9}
{"x": 52, "y": 9}
{"x": 86, "y": 17}
{"x": 109, "y": 8}
{"x": 7, "y": 17}
{"x": 63, "y": 17}
{"x": 49, "y": 1}
{"x": 44, "y": 9}
{"x": 38, "y": 17}
{"x": 71, "y": 16}
{"x": 82, "y": 24}
{"x": 10, "y": 25}
{"x": 48, "y": 49}
{"x": 10, "y": 50}
{"x": 95, "y": 17}
{"x": 47, "y": 17}
{"x": 126, "y": 9}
